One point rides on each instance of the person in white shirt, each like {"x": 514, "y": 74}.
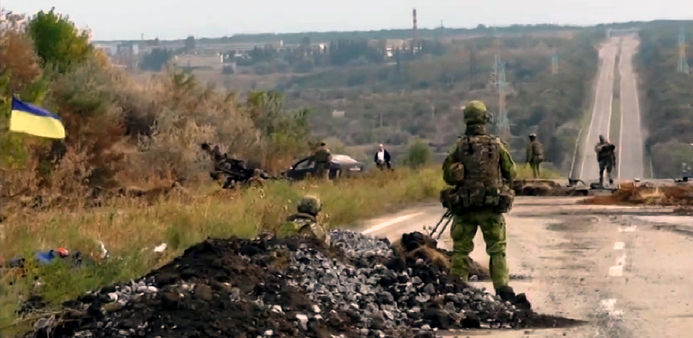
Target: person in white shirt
{"x": 382, "y": 158}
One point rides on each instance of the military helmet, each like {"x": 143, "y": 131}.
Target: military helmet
{"x": 475, "y": 113}
{"x": 309, "y": 204}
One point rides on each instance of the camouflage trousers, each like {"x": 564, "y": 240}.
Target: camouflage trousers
{"x": 463, "y": 231}
{"x": 609, "y": 167}
{"x": 536, "y": 170}
{"x": 322, "y": 171}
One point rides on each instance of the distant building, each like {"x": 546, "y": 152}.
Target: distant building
{"x": 338, "y": 113}
{"x": 127, "y": 48}
{"x": 108, "y": 49}
{"x": 209, "y": 61}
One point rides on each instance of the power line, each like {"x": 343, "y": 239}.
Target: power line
{"x": 683, "y": 63}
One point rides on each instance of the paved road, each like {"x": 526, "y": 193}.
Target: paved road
{"x": 626, "y": 273}
{"x": 630, "y": 144}
{"x": 600, "y": 123}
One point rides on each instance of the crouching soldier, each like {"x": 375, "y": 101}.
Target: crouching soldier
{"x": 305, "y": 222}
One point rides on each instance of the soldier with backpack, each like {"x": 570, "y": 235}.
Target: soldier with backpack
{"x": 535, "y": 155}
{"x": 606, "y": 156}
{"x": 322, "y": 158}
{"x": 480, "y": 169}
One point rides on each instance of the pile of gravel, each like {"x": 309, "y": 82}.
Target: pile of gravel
{"x": 297, "y": 287}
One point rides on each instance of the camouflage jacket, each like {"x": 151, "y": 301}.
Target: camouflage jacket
{"x": 535, "y": 152}
{"x": 322, "y": 155}
{"x": 303, "y": 224}
{"x": 507, "y": 166}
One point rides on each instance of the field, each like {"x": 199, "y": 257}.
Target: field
{"x": 131, "y": 228}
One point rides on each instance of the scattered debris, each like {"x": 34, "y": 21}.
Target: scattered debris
{"x": 634, "y": 194}
{"x": 160, "y": 248}
{"x": 542, "y": 187}
{"x": 233, "y": 172}
{"x": 294, "y": 287}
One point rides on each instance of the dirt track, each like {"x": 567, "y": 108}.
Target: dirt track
{"x": 626, "y": 270}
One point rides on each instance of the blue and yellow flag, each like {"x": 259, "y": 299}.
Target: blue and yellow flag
{"x": 33, "y": 120}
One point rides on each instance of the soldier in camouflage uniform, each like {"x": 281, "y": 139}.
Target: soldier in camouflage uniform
{"x": 535, "y": 155}
{"x": 305, "y": 221}
{"x": 479, "y": 168}
{"x": 322, "y": 158}
{"x": 606, "y": 156}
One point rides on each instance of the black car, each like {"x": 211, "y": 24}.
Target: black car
{"x": 340, "y": 166}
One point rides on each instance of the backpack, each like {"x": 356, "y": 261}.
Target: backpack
{"x": 537, "y": 151}
{"x": 482, "y": 185}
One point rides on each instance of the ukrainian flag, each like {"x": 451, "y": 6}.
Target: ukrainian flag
{"x": 33, "y": 120}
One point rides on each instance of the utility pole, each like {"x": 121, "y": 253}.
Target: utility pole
{"x": 683, "y": 63}
{"x": 415, "y": 32}
{"x": 502, "y": 123}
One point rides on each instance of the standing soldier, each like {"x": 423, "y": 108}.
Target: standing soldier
{"x": 606, "y": 156}
{"x": 535, "y": 155}
{"x": 322, "y": 158}
{"x": 480, "y": 169}
{"x": 305, "y": 222}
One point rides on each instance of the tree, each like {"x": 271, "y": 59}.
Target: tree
{"x": 156, "y": 59}
{"x": 418, "y": 154}
{"x": 57, "y": 41}
{"x": 189, "y": 44}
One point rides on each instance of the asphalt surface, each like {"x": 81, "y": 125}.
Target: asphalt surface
{"x": 624, "y": 270}
{"x": 631, "y": 144}
{"x": 600, "y": 123}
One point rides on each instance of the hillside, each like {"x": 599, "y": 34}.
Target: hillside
{"x": 395, "y": 102}
{"x": 667, "y": 97}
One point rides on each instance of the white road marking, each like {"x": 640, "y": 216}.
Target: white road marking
{"x": 391, "y": 222}
{"x": 621, "y": 260}
{"x": 608, "y": 306}
{"x": 627, "y": 229}
{"x": 619, "y": 245}
{"x": 616, "y": 271}
{"x": 594, "y": 109}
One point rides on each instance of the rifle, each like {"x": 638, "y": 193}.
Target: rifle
{"x": 447, "y": 216}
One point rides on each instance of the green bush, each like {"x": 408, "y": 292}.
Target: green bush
{"x": 418, "y": 154}
{"x": 57, "y": 41}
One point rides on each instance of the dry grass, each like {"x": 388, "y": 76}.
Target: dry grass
{"x": 131, "y": 227}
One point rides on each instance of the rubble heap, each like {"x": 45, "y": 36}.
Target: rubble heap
{"x": 543, "y": 187}
{"x": 296, "y": 287}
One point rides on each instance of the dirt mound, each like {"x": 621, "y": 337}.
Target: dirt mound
{"x": 542, "y": 187}
{"x": 288, "y": 288}
{"x": 215, "y": 289}
{"x": 633, "y": 194}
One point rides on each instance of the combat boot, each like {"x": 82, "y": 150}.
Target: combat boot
{"x": 506, "y": 293}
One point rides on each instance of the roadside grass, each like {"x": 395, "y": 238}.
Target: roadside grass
{"x": 524, "y": 171}
{"x": 131, "y": 228}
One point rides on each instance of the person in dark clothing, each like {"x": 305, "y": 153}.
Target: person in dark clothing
{"x": 606, "y": 156}
{"x": 382, "y": 158}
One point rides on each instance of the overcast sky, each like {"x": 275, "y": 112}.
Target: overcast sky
{"x": 172, "y": 19}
